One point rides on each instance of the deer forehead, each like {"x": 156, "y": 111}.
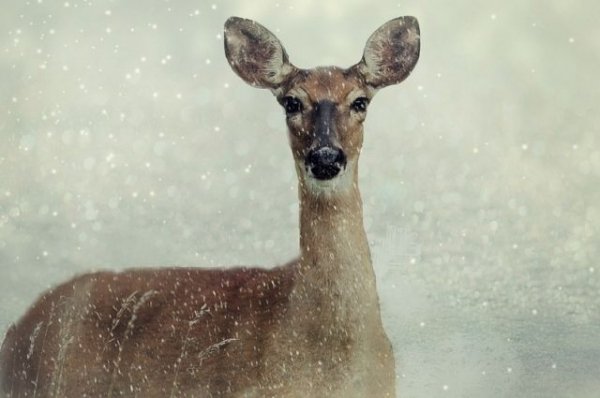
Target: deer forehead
{"x": 326, "y": 84}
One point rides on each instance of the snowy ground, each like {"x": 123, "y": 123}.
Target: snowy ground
{"x": 126, "y": 140}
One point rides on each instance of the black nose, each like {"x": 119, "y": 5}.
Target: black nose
{"x": 325, "y": 162}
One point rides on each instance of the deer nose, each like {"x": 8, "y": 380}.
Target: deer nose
{"x": 326, "y": 162}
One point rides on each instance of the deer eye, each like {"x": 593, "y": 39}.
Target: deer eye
{"x": 360, "y": 104}
{"x": 292, "y": 105}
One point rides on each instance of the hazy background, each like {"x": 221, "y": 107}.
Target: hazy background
{"x": 126, "y": 140}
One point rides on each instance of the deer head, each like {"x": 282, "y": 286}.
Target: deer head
{"x": 325, "y": 107}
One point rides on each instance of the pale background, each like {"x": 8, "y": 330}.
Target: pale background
{"x": 126, "y": 140}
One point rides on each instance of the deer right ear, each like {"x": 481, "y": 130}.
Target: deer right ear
{"x": 255, "y": 54}
{"x": 391, "y": 53}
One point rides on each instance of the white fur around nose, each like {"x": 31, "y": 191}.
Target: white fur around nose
{"x": 338, "y": 184}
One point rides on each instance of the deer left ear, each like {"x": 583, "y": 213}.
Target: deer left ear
{"x": 391, "y": 53}
{"x": 255, "y": 54}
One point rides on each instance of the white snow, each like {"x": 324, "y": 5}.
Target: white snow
{"x": 482, "y": 200}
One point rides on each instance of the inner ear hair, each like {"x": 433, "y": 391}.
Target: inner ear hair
{"x": 255, "y": 54}
{"x": 391, "y": 53}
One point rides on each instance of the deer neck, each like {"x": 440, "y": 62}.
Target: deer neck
{"x": 335, "y": 270}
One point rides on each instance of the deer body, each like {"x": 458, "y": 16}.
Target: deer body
{"x": 311, "y": 328}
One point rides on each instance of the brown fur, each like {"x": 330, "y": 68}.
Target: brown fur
{"x": 311, "y": 328}
{"x": 152, "y": 333}
{"x": 337, "y": 85}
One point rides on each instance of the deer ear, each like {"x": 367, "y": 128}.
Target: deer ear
{"x": 255, "y": 54}
{"x": 391, "y": 53}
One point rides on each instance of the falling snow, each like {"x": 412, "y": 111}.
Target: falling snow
{"x": 127, "y": 141}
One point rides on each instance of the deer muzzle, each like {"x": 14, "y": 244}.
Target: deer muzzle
{"x": 325, "y": 163}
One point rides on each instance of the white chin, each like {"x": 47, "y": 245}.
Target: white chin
{"x": 339, "y": 183}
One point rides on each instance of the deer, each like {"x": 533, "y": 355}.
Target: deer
{"x": 308, "y": 328}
